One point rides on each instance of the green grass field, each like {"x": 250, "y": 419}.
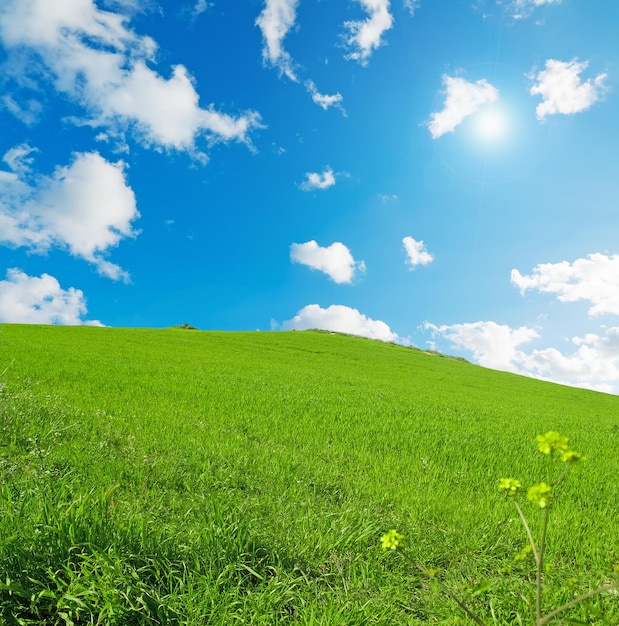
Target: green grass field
{"x": 188, "y": 477}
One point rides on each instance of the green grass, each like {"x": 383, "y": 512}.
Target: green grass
{"x": 175, "y": 477}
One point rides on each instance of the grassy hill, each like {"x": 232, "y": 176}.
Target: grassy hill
{"x": 175, "y": 477}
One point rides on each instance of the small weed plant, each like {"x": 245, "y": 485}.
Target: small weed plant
{"x": 542, "y": 495}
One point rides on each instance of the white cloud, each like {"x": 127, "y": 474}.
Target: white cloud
{"x": 493, "y": 345}
{"x": 314, "y": 180}
{"x": 462, "y": 98}
{"x": 336, "y": 260}
{"x": 340, "y": 319}
{"x": 520, "y": 9}
{"x": 276, "y": 19}
{"x": 323, "y": 100}
{"x": 594, "y": 279}
{"x": 416, "y": 252}
{"x": 40, "y": 300}
{"x": 98, "y": 62}
{"x": 366, "y": 35}
{"x": 85, "y": 206}
{"x": 563, "y": 91}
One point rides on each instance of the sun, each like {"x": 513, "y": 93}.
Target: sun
{"x": 491, "y": 124}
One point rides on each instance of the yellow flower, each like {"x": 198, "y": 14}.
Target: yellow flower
{"x": 510, "y": 485}
{"x": 393, "y": 540}
{"x": 551, "y": 441}
{"x": 540, "y": 494}
{"x": 571, "y": 456}
{"x": 523, "y": 555}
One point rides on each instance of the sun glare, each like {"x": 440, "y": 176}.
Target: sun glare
{"x": 491, "y": 124}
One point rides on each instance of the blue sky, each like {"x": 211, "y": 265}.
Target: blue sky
{"x": 442, "y": 174}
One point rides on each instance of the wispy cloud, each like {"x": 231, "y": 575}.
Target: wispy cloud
{"x": 462, "y": 98}
{"x": 201, "y": 6}
{"x": 86, "y": 207}
{"x": 93, "y": 58}
{"x": 562, "y": 89}
{"x": 323, "y": 100}
{"x": 18, "y": 158}
{"x": 340, "y": 319}
{"x": 412, "y": 5}
{"x": 27, "y": 111}
{"x": 275, "y": 20}
{"x": 335, "y": 261}
{"x": 520, "y": 9}
{"x": 314, "y": 180}
{"x": 40, "y": 300}
{"x": 366, "y": 35}
{"x": 416, "y": 253}
{"x": 594, "y": 279}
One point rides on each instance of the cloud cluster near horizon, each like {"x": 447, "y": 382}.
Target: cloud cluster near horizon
{"x": 594, "y": 360}
{"x": 40, "y": 300}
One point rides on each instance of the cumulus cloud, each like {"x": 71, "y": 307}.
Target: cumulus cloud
{"x": 340, "y": 319}
{"x": 94, "y": 59}
{"x": 323, "y": 100}
{"x": 85, "y": 207}
{"x": 416, "y": 253}
{"x": 314, "y": 180}
{"x": 520, "y": 9}
{"x": 335, "y": 261}
{"x": 366, "y": 35}
{"x": 594, "y": 279}
{"x": 275, "y": 20}
{"x": 462, "y": 98}
{"x": 562, "y": 89}
{"x": 40, "y": 300}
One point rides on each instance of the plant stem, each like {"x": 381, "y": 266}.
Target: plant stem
{"x": 539, "y": 561}
{"x": 450, "y": 593}
{"x": 529, "y": 533}
{"x": 571, "y": 603}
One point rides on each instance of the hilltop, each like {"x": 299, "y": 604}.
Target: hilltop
{"x": 224, "y": 476}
